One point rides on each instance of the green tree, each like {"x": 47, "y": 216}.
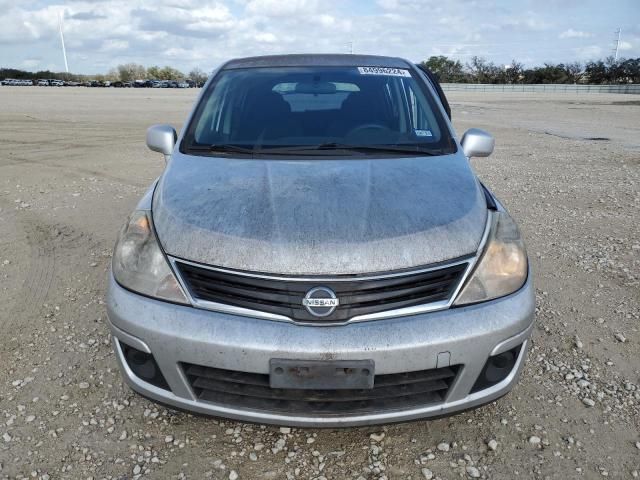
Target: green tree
{"x": 596, "y": 72}
{"x": 169, "y": 73}
{"x": 631, "y": 69}
{"x": 483, "y": 71}
{"x": 573, "y": 72}
{"x": 131, "y": 71}
{"x": 153, "y": 72}
{"x": 447, "y": 70}
{"x": 616, "y": 72}
{"x": 549, "y": 73}
{"x": 513, "y": 73}
{"x": 112, "y": 75}
{"x": 198, "y": 77}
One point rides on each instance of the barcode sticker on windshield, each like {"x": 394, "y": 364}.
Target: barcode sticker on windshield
{"x": 423, "y": 133}
{"x": 394, "y": 72}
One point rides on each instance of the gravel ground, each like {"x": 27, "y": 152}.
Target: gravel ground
{"x": 73, "y": 164}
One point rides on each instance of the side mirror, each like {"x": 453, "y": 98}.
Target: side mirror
{"x": 162, "y": 138}
{"x": 477, "y": 143}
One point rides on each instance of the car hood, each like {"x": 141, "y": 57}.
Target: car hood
{"x": 319, "y": 216}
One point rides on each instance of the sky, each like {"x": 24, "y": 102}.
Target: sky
{"x": 186, "y": 34}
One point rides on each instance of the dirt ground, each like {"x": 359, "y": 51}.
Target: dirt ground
{"x": 73, "y": 164}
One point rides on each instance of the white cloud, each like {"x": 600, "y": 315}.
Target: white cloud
{"x": 266, "y": 37}
{"x": 113, "y": 45}
{"x": 625, "y": 45}
{"x": 571, "y": 33}
{"x": 184, "y": 53}
{"x": 18, "y": 25}
{"x": 589, "y": 52}
{"x": 280, "y": 8}
{"x": 204, "y": 33}
{"x": 30, "y": 63}
{"x": 404, "y": 5}
{"x": 201, "y": 21}
{"x": 326, "y": 20}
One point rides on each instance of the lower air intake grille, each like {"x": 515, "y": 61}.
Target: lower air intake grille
{"x": 396, "y": 391}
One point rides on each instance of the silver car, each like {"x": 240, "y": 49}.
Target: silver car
{"x": 319, "y": 252}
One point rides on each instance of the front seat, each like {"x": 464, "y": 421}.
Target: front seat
{"x": 357, "y": 110}
{"x": 267, "y": 117}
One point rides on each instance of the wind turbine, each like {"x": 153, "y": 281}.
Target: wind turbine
{"x": 64, "y": 50}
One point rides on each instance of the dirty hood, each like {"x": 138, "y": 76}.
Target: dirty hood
{"x": 319, "y": 216}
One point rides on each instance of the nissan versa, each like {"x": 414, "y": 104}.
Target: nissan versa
{"x": 319, "y": 252}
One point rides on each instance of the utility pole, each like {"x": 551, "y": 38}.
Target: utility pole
{"x": 618, "y": 32}
{"x": 350, "y": 47}
{"x": 64, "y": 50}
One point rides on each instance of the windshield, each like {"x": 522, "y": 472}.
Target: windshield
{"x": 286, "y": 109}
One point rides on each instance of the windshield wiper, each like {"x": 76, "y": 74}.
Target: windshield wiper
{"x": 222, "y": 148}
{"x": 411, "y": 149}
{"x": 229, "y": 148}
{"x": 315, "y": 149}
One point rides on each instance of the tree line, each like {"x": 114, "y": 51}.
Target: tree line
{"x": 480, "y": 70}
{"x": 127, "y": 72}
{"x": 477, "y": 70}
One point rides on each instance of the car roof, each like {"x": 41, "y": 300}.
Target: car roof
{"x": 316, "y": 60}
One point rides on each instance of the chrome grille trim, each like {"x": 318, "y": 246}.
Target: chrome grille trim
{"x": 400, "y": 312}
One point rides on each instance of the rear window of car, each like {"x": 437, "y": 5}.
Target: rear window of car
{"x": 304, "y": 102}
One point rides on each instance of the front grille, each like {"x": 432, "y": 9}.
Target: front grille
{"x": 398, "y": 391}
{"x": 357, "y": 296}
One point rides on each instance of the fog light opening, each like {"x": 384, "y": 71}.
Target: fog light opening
{"x": 144, "y": 366}
{"x": 497, "y": 369}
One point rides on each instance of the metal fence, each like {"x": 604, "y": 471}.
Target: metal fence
{"x": 539, "y": 88}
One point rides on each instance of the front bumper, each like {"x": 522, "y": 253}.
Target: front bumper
{"x": 465, "y": 336}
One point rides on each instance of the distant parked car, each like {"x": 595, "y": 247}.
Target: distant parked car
{"x": 43, "y": 83}
{"x": 56, "y": 83}
{"x": 127, "y": 84}
{"x": 183, "y": 84}
{"x": 117, "y": 84}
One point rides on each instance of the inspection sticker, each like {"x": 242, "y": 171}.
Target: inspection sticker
{"x": 423, "y": 133}
{"x": 394, "y": 72}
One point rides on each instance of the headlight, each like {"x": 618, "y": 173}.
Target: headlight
{"x": 139, "y": 264}
{"x": 503, "y": 267}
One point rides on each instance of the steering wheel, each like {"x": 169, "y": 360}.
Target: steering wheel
{"x": 367, "y": 126}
